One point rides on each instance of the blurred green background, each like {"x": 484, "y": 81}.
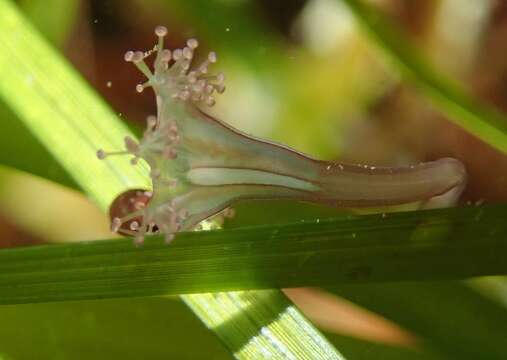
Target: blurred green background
{"x": 298, "y": 72}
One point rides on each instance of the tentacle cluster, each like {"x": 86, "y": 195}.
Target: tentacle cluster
{"x": 186, "y": 83}
{"x": 176, "y": 84}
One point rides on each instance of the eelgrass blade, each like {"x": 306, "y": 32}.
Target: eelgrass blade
{"x": 154, "y": 328}
{"x": 55, "y": 24}
{"x": 73, "y": 122}
{"x": 106, "y": 330}
{"x": 424, "y": 245}
{"x": 21, "y": 150}
{"x": 62, "y": 111}
{"x": 275, "y": 329}
{"x": 447, "y": 316}
{"x": 478, "y": 119}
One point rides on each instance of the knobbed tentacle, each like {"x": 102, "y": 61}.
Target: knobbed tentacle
{"x": 200, "y": 165}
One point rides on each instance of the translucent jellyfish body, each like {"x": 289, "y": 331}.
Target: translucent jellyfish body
{"x": 200, "y": 165}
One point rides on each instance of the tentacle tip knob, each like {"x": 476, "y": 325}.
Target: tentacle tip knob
{"x": 101, "y": 154}
{"x": 129, "y": 56}
{"x": 212, "y": 57}
{"x": 192, "y": 43}
{"x": 134, "y": 226}
{"x": 116, "y": 224}
{"x": 161, "y": 31}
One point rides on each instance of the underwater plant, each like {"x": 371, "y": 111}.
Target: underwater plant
{"x": 200, "y": 165}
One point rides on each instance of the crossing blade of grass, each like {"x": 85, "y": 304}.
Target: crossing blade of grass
{"x": 62, "y": 111}
{"x": 275, "y": 328}
{"x": 54, "y": 24}
{"x": 438, "y": 244}
{"x": 73, "y": 122}
{"x": 447, "y": 316}
{"x": 20, "y": 149}
{"x": 480, "y": 120}
{"x": 172, "y": 333}
{"x": 105, "y": 330}
{"x": 17, "y": 141}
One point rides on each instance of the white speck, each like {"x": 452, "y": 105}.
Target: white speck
{"x": 109, "y": 84}
{"x": 318, "y": 221}
{"x": 227, "y": 29}
{"x": 354, "y": 235}
{"x": 340, "y": 167}
{"x": 96, "y": 21}
{"x": 328, "y": 167}
{"x": 120, "y": 114}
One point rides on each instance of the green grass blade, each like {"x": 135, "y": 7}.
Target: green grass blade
{"x": 447, "y": 316}
{"x": 73, "y": 122}
{"x": 21, "y": 150}
{"x": 62, "y": 111}
{"x": 480, "y": 120}
{"x": 153, "y": 328}
{"x": 17, "y": 141}
{"x": 275, "y": 329}
{"x": 458, "y": 243}
{"x": 54, "y": 24}
{"x": 108, "y": 328}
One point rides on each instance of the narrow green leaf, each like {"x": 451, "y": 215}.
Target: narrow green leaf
{"x": 20, "y": 149}
{"x": 447, "y": 316}
{"x": 153, "y": 328}
{"x": 480, "y": 120}
{"x": 62, "y": 111}
{"x": 117, "y": 329}
{"x": 54, "y": 24}
{"x": 73, "y": 122}
{"x": 17, "y": 141}
{"x": 458, "y": 243}
{"x": 275, "y": 329}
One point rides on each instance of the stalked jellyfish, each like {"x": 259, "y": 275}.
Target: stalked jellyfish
{"x": 200, "y": 166}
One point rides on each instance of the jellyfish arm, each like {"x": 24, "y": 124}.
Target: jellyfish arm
{"x": 200, "y": 165}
